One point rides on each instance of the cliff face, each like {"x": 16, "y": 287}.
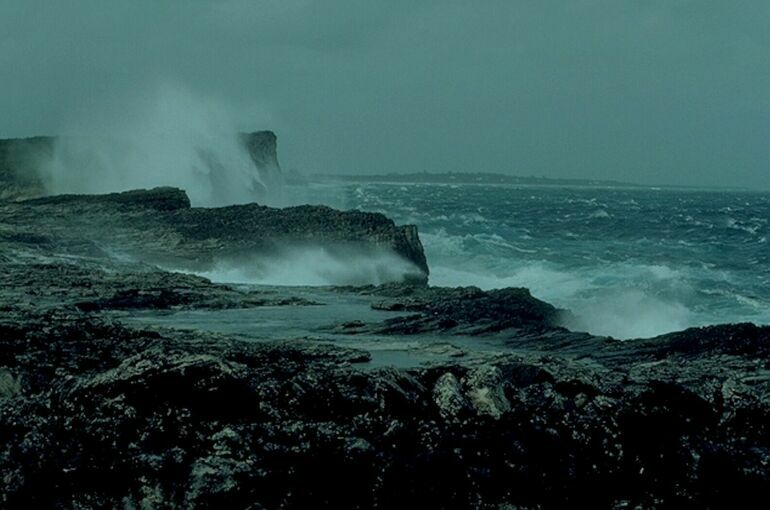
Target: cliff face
{"x": 19, "y": 160}
{"x": 22, "y": 158}
{"x": 158, "y": 226}
{"x": 263, "y": 149}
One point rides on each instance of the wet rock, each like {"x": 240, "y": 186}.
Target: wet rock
{"x": 447, "y": 394}
{"x": 158, "y": 227}
{"x": 10, "y": 386}
{"x": 113, "y": 417}
{"x": 107, "y": 416}
{"x": 486, "y": 391}
{"x": 461, "y": 310}
{"x": 96, "y": 289}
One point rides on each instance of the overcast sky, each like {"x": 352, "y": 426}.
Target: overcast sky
{"x": 652, "y": 91}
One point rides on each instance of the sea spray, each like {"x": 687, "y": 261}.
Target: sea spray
{"x": 314, "y": 265}
{"x": 172, "y": 137}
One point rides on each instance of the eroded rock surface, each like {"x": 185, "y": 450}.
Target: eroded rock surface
{"x": 95, "y": 413}
{"x": 462, "y": 310}
{"x": 108, "y": 416}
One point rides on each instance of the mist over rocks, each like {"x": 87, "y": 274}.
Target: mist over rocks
{"x": 20, "y": 160}
{"x": 262, "y": 146}
{"x": 241, "y": 167}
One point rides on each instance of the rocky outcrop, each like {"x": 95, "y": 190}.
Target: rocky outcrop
{"x": 19, "y": 161}
{"x": 462, "y": 310}
{"x": 262, "y": 146}
{"x": 159, "y": 227}
{"x": 108, "y": 416}
{"x": 93, "y": 289}
{"x": 158, "y": 199}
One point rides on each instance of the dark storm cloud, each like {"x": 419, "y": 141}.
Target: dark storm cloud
{"x": 656, "y": 91}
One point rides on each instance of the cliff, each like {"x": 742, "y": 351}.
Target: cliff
{"x": 22, "y": 158}
{"x": 263, "y": 149}
{"x": 158, "y": 226}
{"x": 19, "y": 161}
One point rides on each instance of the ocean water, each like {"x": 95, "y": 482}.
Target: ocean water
{"x": 628, "y": 262}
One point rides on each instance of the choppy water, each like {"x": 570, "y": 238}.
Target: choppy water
{"x": 628, "y": 262}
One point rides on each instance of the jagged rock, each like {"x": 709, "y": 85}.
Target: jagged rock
{"x": 108, "y": 416}
{"x": 159, "y": 199}
{"x": 95, "y": 289}
{"x": 159, "y": 227}
{"x": 103, "y": 415}
{"x": 262, "y": 147}
{"x": 461, "y": 310}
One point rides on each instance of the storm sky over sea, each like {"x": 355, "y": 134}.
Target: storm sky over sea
{"x": 650, "y": 91}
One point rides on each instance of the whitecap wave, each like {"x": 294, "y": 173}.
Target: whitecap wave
{"x": 625, "y": 308}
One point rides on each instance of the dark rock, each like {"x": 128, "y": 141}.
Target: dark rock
{"x": 95, "y": 289}
{"x": 160, "y": 199}
{"x": 158, "y": 227}
{"x": 462, "y": 310}
{"x": 96, "y": 414}
{"x": 262, "y": 146}
{"x": 19, "y": 160}
{"x": 106, "y": 416}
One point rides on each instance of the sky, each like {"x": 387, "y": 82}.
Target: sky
{"x": 649, "y": 91}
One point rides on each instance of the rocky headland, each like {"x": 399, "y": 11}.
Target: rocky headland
{"x": 23, "y": 161}
{"x": 160, "y": 227}
{"x": 505, "y": 408}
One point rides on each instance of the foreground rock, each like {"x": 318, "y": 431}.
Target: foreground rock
{"x": 106, "y": 416}
{"x": 97, "y": 414}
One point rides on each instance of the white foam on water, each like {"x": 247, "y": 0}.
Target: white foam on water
{"x": 623, "y": 300}
{"x": 600, "y": 308}
{"x": 314, "y": 266}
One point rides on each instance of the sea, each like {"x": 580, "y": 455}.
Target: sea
{"x": 628, "y": 262}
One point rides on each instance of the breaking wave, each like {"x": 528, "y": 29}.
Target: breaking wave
{"x": 626, "y": 263}
{"x": 314, "y": 266}
{"x": 171, "y": 137}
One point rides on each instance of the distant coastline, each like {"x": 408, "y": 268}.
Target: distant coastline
{"x": 497, "y": 178}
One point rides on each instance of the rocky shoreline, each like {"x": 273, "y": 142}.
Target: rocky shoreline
{"x": 98, "y": 413}
{"x": 159, "y": 227}
{"x": 104, "y": 415}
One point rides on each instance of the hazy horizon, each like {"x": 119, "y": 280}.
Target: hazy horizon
{"x": 657, "y": 92}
